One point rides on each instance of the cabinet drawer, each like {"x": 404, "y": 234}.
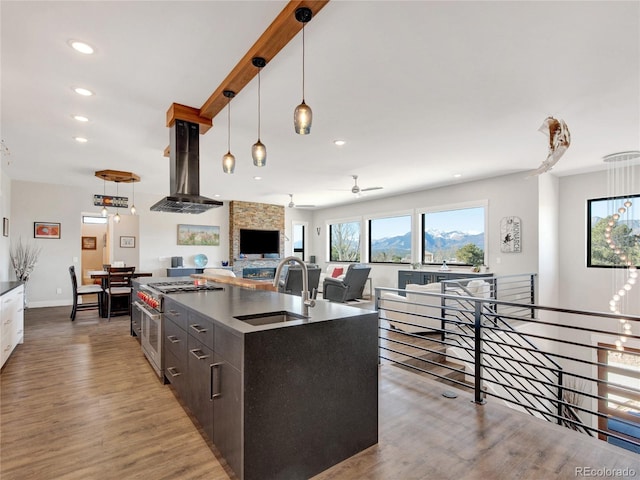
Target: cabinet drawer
{"x": 175, "y": 370}
{"x": 175, "y": 339}
{"x": 176, "y": 312}
{"x": 201, "y": 328}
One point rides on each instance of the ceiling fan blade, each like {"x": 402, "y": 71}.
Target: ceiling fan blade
{"x": 370, "y": 188}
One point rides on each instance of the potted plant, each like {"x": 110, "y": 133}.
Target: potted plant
{"x": 24, "y": 258}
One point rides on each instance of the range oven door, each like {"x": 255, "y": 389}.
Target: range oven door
{"x": 151, "y": 330}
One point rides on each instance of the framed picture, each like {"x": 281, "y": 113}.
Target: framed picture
{"x": 46, "y": 230}
{"x": 88, "y": 243}
{"x": 5, "y": 227}
{"x": 198, "y": 235}
{"x": 127, "y": 242}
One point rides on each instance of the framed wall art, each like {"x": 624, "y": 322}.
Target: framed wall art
{"x": 510, "y": 235}
{"x": 208, "y": 235}
{"x": 46, "y": 230}
{"x": 127, "y": 242}
{"x": 89, "y": 243}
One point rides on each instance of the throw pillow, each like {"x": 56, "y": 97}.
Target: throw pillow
{"x": 337, "y": 272}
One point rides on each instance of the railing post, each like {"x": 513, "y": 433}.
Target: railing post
{"x": 560, "y": 395}
{"x": 478, "y": 353}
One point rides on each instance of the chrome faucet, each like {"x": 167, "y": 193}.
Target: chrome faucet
{"x": 306, "y": 301}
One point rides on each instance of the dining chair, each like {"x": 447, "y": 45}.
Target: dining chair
{"x": 80, "y": 291}
{"x": 118, "y": 286}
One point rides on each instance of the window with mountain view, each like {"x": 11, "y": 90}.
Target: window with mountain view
{"x": 455, "y": 236}
{"x": 390, "y": 239}
{"x": 344, "y": 242}
{"x": 613, "y": 232}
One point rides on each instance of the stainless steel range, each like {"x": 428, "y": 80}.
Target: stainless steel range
{"x": 149, "y": 304}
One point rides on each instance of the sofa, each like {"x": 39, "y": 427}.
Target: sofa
{"x": 424, "y": 312}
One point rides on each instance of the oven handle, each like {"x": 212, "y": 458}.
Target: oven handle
{"x": 146, "y": 311}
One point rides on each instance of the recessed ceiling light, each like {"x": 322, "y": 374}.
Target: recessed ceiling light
{"x": 81, "y": 47}
{"x": 457, "y": 175}
{"x": 257, "y": 178}
{"x": 83, "y": 91}
{"x": 339, "y": 143}
{"x": 80, "y": 139}
{"x": 217, "y": 195}
{"x": 80, "y": 118}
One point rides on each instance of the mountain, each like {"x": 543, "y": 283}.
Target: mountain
{"x": 442, "y": 244}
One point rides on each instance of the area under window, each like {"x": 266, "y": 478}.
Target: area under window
{"x": 344, "y": 242}
{"x": 390, "y": 239}
{"x": 455, "y": 236}
{"x": 613, "y": 229}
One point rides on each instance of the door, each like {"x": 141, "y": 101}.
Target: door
{"x": 227, "y": 427}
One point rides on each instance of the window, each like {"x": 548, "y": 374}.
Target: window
{"x": 613, "y": 229}
{"x": 89, "y": 219}
{"x": 390, "y": 239}
{"x": 619, "y": 401}
{"x": 298, "y": 240}
{"x": 455, "y": 236}
{"x": 344, "y": 242}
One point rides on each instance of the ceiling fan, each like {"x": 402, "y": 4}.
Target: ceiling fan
{"x": 356, "y": 190}
{"x": 293, "y": 205}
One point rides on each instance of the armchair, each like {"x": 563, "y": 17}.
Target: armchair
{"x": 348, "y": 288}
{"x": 292, "y": 281}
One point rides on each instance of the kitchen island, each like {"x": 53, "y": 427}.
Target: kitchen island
{"x": 281, "y": 400}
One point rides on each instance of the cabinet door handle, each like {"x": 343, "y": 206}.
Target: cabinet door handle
{"x": 173, "y": 338}
{"x": 218, "y": 390}
{"x": 199, "y": 354}
{"x": 174, "y": 312}
{"x": 173, "y": 372}
{"x": 198, "y": 328}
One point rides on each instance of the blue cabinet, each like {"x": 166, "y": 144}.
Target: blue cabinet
{"x": 183, "y": 271}
{"x": 422, "y": 277}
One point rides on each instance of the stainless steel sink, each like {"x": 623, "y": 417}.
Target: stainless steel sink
{"x": 270, "y": 317}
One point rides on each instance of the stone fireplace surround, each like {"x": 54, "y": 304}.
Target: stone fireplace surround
{"x": 260, "y": 216}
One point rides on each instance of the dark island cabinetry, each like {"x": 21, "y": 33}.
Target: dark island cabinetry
{"x": 277, "y": 401}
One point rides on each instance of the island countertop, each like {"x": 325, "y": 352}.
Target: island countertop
{"x": 222, "y": 306}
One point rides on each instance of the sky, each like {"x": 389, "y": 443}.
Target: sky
{"x": 468, "y": 220}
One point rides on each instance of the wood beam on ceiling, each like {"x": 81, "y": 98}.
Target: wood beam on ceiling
{"x": 117, "y": 176}
{"x": 281, "y": 31}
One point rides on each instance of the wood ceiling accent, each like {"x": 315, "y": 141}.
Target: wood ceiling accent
{"x": 117, "y": 176}
{"x": 275, "y": 37}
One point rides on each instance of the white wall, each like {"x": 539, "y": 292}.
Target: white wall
{"x": 588, "y": 288}
{"x": 509, "y": 195}
{"x": 157, "y": 236}
{"x": 6, "y": 272}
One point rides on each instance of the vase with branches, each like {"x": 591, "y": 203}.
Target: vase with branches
{"x": 24, "y": 257}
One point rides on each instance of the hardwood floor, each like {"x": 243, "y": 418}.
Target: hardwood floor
{"x": 79, "y": 401}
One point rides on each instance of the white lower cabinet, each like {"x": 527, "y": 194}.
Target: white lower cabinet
{"x": 11, "y": 321}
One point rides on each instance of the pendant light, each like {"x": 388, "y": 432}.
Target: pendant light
{"x": 258, "y": 150}
{"x": 104, "y": 212}
{"x": 302, "y": 115}
{"x": 133, "y": 197}
{"x": 116, "y": 217}
{"x": 228, "y": 160}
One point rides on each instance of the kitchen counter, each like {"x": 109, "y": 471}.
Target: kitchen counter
{"x": 262, "y": 392}
{"x": 6, "y": 287}
{"x": 239, "y": 281}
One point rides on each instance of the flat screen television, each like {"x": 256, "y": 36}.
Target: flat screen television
{"x": 259, "y": 241}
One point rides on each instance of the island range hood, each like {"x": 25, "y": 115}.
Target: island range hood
{"x": 184, "y": 185}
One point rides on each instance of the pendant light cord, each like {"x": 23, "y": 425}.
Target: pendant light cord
{"x": 229, "y": 126}
{"x": 259, "y": 104}
{"x": 303, "y": 62}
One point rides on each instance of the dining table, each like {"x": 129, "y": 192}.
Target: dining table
{"x": 103, "y": 276}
